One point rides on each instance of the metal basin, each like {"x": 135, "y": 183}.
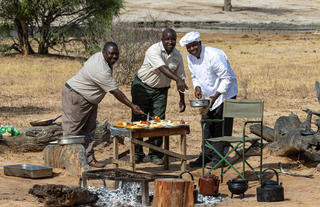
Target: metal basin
{"x": 28, "y": 171}
{"x": 199, "y": 102}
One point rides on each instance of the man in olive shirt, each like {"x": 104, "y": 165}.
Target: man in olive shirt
{"x": 84, "y": 91}
{"x": 149, "y": 89}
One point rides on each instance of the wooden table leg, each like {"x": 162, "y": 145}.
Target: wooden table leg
{"x": 183, "y": 151}
{"x": 115, "y": 151}
{"x": 165, "y": 156}
{"x": 133, "y": 164}
{"x": 145, "y": 193}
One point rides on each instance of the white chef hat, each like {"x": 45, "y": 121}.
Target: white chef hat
{"x": 189, "y": 37}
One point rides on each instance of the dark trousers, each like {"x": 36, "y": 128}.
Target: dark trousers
{"x": 152, "y": 101}
{"x": 214, "y": 129}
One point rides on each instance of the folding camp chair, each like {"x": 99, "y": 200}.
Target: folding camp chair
{"x": 252, "y": 111}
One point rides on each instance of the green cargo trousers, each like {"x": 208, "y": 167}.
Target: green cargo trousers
{"x": 152, "y": 101}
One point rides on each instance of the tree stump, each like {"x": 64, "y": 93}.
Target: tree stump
{"x": 70, "y": 157}
{"x": 173, "y": 192}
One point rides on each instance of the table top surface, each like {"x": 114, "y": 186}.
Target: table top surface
{"x": 165, "y": 131}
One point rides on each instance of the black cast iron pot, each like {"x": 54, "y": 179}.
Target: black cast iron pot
{"x": 238, "y": 186}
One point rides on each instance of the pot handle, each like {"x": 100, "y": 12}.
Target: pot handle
{"x": 273, "y": 171}
{"x": 180, "y": 176}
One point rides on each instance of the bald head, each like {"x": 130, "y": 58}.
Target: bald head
{"x": 169, "y": 38}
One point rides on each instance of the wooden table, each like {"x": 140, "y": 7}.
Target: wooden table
{"x": 118, "y": 134}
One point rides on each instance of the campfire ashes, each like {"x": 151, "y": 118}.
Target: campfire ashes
{"x": 129, "y": 195}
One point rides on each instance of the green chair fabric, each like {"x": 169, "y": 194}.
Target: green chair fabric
{"x": 252, "y": 112}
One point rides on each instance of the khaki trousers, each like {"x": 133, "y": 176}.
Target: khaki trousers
{"x": 79, "y": 118}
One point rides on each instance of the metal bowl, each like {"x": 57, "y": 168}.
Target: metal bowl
{"x": 199, "y": 102}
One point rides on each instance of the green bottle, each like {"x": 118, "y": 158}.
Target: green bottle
{"x": 10, "y": 130}
{"x": 3, "y": 129}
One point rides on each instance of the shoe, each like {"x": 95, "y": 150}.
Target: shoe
{"x": 157, "y": 161}
{"x": 97, "y": 164}
{"x": 198, "y": 162}
{"x": 138, "y": 159}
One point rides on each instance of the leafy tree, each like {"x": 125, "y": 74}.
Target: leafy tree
{"x": 51, "y": 22}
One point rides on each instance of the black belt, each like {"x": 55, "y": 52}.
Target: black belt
{"x": 71, "y": 89}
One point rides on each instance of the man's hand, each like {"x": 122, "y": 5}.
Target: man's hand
{"x": 197, "y": 92}
{"x": 181, "y": 85}
{"x": 136, "y": 109}
{"x": 182, "y": 106}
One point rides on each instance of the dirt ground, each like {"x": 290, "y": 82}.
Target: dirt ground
{"x": 298, "y": 191}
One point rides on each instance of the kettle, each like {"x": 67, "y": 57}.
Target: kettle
{"x": 209, "y": 185}
{"x": 270, "y": 190}
{"x": 195, "y": 191}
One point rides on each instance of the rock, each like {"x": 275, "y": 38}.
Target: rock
{"x": 61, "y": 195}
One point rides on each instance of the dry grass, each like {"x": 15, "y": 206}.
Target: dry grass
{"x": 279, "y": 68}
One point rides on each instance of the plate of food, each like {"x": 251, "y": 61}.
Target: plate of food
{"x": 142, "y": 123}
{"x": 120, "y": 124}
{"x": 157, "y": 125}
{"x": 176, "y": 123}
{"x": 135, "y": 126}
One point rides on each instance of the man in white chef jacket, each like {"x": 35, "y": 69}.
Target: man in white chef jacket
{"x": 214, "y": 79}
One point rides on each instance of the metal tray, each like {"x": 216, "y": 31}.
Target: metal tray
{"x": 199, "y": 102}
{"x": 28, "y": 171}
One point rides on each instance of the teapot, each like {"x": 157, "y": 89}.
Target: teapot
{"x": 270, "y": 190}
{"x": 195, "y": 191}
{"x": 209, "y": 185}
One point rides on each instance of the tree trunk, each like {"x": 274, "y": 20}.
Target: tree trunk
{"x": 44, "y": 38}
{"x": 227, "y": 5}
{"x": 23, "y": 36}
{"x": 173, "y": 192}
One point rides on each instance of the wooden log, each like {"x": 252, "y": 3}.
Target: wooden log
{"x": 35, "y": 139}
{"x": 173, "y": 192}
{"x": 268, "y": 133}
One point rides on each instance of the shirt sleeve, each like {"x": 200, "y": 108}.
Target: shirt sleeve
{"x": 221, "y": 68}
{"x": 153, "y": 57}
{"x": 194, "y": 79}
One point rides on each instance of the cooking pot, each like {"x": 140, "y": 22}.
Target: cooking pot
{"x": 44, "y": 122}
{"x": 237, "y": 186}
{"x": 270, "y": 190}
{"x": 209, "y": 185}
{"x": 199, "y": 102}
{"x": 195, "y": 191}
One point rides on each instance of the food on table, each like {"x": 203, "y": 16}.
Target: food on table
{"x": 156, "y": 118}
{"x": 120, "y": 124}
{"x": 178, "y": 122}
{"x": 135, "y": 126}
{"x": 164, "y": 121}
{"x": 144, "y": 122}
{"x": 155, "y": 125}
